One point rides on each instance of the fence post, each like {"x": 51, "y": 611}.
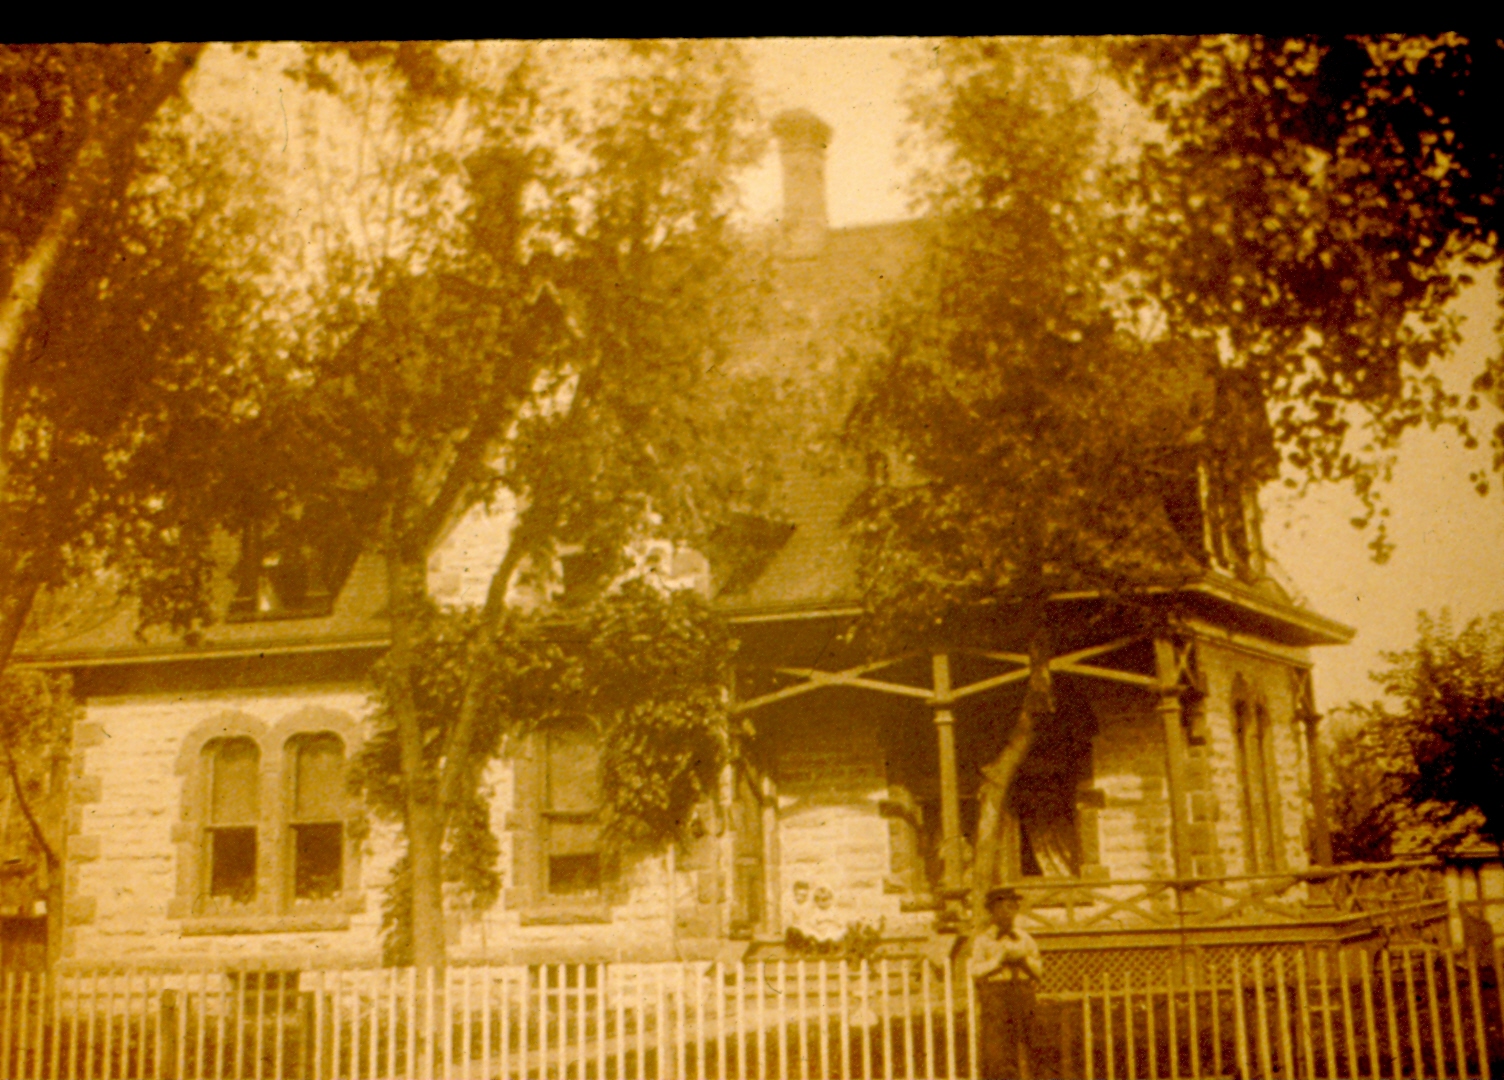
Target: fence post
{"x": 1452, "y": 879}
{"x": 167, "y": 1034}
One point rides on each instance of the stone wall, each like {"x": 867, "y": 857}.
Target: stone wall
{"x": 127, "y": 833}
{"x": 130, "y": 853}
{"x": 1128, "y": 768}
{"x": 1218, "y": 776}
{"x": 831, "y": 783}
{"x": 129, "y": 829}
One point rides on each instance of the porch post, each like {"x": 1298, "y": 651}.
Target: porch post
{"x": 950, "y": 796}
{"x": 1321, "y": 828}
{"x": 1169, "y": 710}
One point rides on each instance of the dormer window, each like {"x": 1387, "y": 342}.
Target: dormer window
{"x": 1215, "y": 516}
{"x": 287, "y": 577}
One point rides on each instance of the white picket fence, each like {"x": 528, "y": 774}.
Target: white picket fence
{"x": 827, "y": 1018}
{"x": 1415, "y": 1010}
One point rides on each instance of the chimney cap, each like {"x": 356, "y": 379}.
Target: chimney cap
{"x": 801, "y": 128}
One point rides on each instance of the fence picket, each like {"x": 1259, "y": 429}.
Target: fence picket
{"x": 1150, "y": 1041}
{"x": 1172, "y": 998}
{"x": 1456, "y": 1009}
{"x": 1303, "y": 1003}
{"x": 1438, "y": 1044}
{"x": 576, "y": 1020}
{"x": 908, "y": 1023}
{"x": 925, "y": 994}
{"x": 1349, "y": 1033}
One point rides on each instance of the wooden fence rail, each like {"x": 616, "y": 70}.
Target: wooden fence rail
{"x": 1270, "y": 1011}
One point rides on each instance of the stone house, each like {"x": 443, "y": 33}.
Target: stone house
{"x": 208, "y": 814}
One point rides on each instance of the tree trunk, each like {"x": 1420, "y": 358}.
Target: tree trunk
{"x": 425, "y": 851}
{"x": 423, "y": 817}
{"x": 998, "y": 774}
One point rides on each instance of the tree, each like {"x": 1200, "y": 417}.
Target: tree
{"x": 1031, "y": 435}
{"x": 1443, "y": 748}
{"x": 129, "y": 254}
{"x": 130, "y": 251}
{"x": 1313, "y": 204}
{"x": 526, "y": 317}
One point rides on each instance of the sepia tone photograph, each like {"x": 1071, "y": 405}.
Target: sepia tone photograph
{"x": 752, "y": 558}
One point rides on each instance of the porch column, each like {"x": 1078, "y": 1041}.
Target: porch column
{"x": 1321, "y": 828}
{"x": 1169, "y": 710}
{"x": 950, "y": 795}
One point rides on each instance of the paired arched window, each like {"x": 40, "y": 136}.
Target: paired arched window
{"x": 266, "y": 826}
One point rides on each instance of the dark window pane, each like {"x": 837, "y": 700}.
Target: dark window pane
{"x": 569, "y": 874}
{"x": 232, "y": 864}
{"x": 574, "y": 770}
{"x": 318, "y": 861}
{"x": 236, "y": 782}
{"x": 320, "y": 782}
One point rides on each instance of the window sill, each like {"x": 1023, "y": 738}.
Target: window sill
{"x": 565, "y": 915}
{"x": 303, "y": 922}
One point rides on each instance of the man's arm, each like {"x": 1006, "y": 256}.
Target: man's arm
{"x": 986, "y": 955}
{"x": 1030, "y": 954}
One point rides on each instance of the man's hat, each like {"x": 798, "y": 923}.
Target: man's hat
{"x": 994, "y": 895}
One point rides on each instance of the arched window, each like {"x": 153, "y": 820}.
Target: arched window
{"x": 1257, "y": 779}
{"x": 316, "y": 816}
{"x": 234, "y": 770}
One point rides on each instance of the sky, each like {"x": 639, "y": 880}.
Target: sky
{"x": 1448, "y": 540}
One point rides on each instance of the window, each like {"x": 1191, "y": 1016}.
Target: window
{"x": 316, "y": 824}
{"x": 234, "y": 814}
{"x": 287, "y": 576}
{"x": 265, "y": 837}
{"x": 571, "y": 812}
{"x": 560, "y": 872}
{"x": 1260, "y": 793}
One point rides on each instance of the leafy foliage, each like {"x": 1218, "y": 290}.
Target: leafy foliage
{"x": 1432, "y": 772}
{"x": 648, "y": 668}
{"x": 1312, "y": 204}
{"x": 131, "y": 371}
{"x": 1027, "y": 430}
{"x": 37, "y": 712}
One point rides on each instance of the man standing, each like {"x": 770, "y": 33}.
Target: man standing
{"x": 1005, "y": 965}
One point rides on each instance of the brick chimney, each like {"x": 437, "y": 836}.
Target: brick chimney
{"x": 802, "y": 138}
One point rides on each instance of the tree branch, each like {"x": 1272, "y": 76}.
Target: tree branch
{"x": 25, "y": 804}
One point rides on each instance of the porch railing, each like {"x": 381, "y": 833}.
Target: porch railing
{"x": 1400, "y": 1010}
{"x": 1407, "y": 891}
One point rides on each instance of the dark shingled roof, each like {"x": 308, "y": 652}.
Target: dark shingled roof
{"x": 817, "y": 306}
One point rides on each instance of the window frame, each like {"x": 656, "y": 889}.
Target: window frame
{"x": 528, "y": 825}
{"x": 273, "y": 908}
{"x": 292, "y": 822}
